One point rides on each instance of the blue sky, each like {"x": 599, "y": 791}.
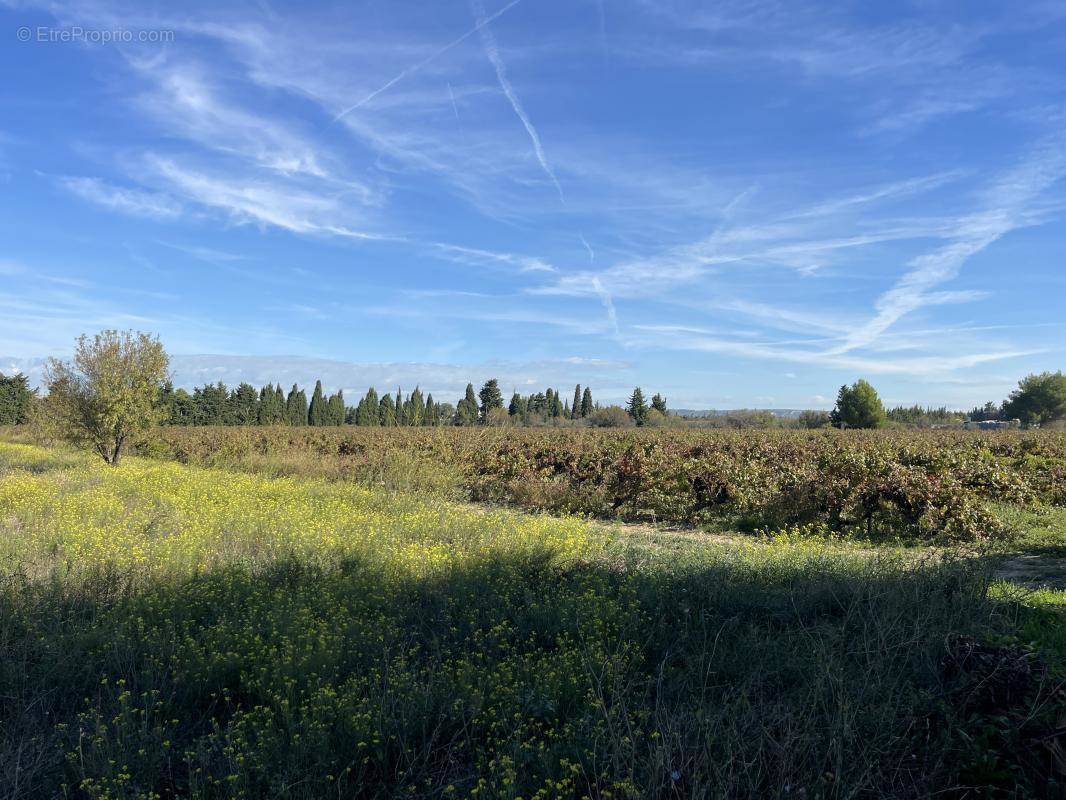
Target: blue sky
{"x": 734, "y": 203}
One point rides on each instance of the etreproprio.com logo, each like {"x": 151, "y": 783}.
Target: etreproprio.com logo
{"x": 76, "y": 33}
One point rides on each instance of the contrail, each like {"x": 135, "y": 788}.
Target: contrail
{"x": 451, "y": 94}
{"x": 608, "y": 303}
{"x": 414, "y": 68}
{"x": 584, "y": 241}
{"x": 493, "y": 52}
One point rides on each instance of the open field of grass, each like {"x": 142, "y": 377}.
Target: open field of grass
{"x": 173, "y": 630}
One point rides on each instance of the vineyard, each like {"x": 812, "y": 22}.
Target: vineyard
{"x": 171, "y": 630}
{"x": 920, "y": 485}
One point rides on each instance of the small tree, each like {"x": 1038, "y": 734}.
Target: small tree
{"x": 658, "y": 402}
{"x": 1038, "y": 400}
{"x": 109, "y": 397}
{"x": 636, "y": 407}
{"x": 858, "y": 406}
{"x": 813, "y": 419}
{"x": 610, "y": 417}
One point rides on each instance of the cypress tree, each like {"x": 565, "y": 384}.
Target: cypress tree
{"x": 279, "y": 405}
{"x": 335, "y": 408}
{"x": 575, "y": 407}
{"x": 466, "y": 412}
{"x": 290, "y": 406}
{"x": 416, "y": 408}
{"x": 586, "y": 402}
{"x": 302, "y": 406}
{"x": 266, "y": 406}
{"x": 317, "y": 414}
{"x": 387, "y": 411}
{"x": 369, "y": 413}
{"x": 398, "y": 407}
{"x": 555, "y": 408}
{"x": 429, "y": 418}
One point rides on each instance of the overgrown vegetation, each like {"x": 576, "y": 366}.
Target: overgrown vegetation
{"x": 176, "y": 631}
{"x": 920, "y": 485}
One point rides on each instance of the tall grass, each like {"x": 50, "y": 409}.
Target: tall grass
{"x": 179, "y": 631}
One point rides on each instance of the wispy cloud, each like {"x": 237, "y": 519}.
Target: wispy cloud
{"x": 492, "y": 50}
{"x": 260, "y": 202}
{"x": 124, "y": 199}
{"x": 479, "y": 256}
{"x": 1006, "y": 206}
{"x": 669, "y": 337}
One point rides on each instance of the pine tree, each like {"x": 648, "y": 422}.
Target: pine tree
{"x": 210, "y": 404}
{"x": 658, "y": 402}
{"x": 16, "y": 399}
{"x": 586, "y": 402}
{"x": 490, "y": 398}
{"x": 636, "y": 407}
{"x": 858, "y": 406}
{"x": 538, "y": 405}
{"x": 518, "y": 406}
{"x": 243, "y": 405}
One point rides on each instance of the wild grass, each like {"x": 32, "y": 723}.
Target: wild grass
{"x": 180, "y": 631}
{"x": 920, "y": 485}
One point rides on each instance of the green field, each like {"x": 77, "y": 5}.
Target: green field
{"x": 177, "y": 630}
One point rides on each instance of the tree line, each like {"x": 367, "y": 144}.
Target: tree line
{"x": 216, "y": 404}
{"x": 116, "y": 389}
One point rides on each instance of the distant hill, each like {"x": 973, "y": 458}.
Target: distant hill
{"x": 724, "y": 412}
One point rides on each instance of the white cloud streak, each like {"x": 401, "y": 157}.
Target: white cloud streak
{"x": 493, "y": 53}
{"x": 1008, "y": 199}
{"x": 126, "y": 200}
{"x": 481, "y": 23}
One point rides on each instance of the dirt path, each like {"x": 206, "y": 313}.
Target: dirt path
{"x": 1034, "y": 571}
